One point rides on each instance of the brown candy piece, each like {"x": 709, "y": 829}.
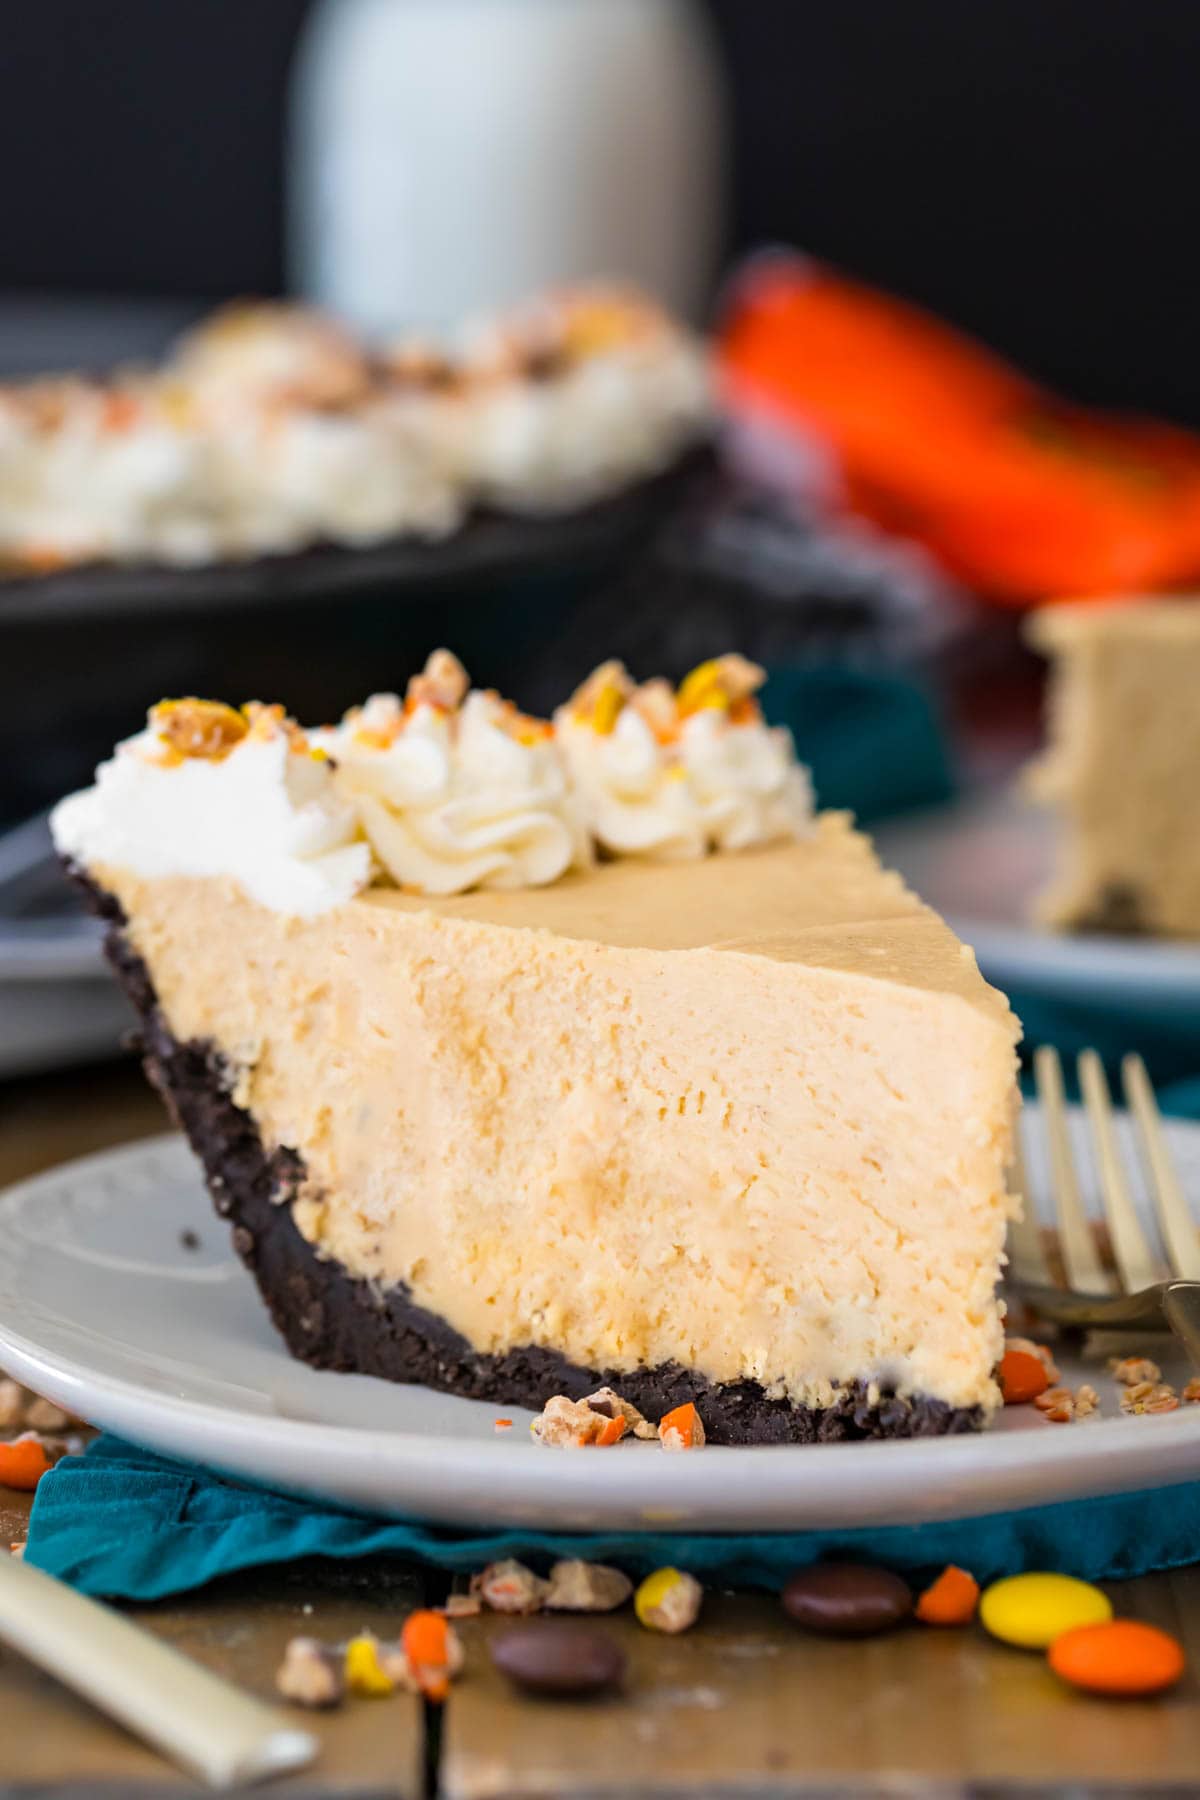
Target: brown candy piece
{"x": 556, "y": 1659}
{"x": 841, "y": 1599}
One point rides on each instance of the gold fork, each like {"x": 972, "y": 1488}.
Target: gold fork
{"x": 1138, "y": 1288}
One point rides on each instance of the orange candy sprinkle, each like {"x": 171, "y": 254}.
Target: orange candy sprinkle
{"x": 1120, "y": 1657}
{"x": 425, "y": 1641}
{"x": 612, "y": 1432}
{"x": 22, "y": 1464}
{"x": 681, "y": 1429}
{"x": 951, "y": 1600}
{"x": 1022, "y": 1377}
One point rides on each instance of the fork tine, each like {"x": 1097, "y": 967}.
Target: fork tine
{"x": 1026, "y": 1257}
{"x": 1138, "y": 1266}
{"x": 1081, "y": 1258}
{"x": 1174, "y": 1214}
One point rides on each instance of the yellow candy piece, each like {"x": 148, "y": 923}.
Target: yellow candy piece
{"x": 653, "y": 1591}
{"x": 668, "y": 1601}
{"x": 607, "y": 709}
{"x": 702, "y": 688}
{"x": 364, "y": 1674}
{"x": 1032, "y": 1610}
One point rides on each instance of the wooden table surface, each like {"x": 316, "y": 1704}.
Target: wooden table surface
{"x": 744, "y": 1704}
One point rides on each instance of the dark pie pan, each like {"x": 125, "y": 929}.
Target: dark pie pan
{"x": 489, "y": 545}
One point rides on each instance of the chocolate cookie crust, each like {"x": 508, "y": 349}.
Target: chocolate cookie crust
{"x": 333, "y": 1320}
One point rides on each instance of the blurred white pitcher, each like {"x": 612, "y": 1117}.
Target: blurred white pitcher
{"x": 451, "y": 156}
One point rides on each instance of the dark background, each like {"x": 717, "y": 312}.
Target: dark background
{"x": 1028, "y": 167}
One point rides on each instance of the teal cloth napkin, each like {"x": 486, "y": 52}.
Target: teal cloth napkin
{"x": 126, "y": 1524}
{"x": 874, "y": 741}
{"x": 1169, "y": 1042}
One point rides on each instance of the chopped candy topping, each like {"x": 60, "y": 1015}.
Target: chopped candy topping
{"x": 1132, "y": 1371}
{"x": 600, "y": 700}
{"x": 23, "y": 1463}
{"x": 669, "y": 1600}
{"x": 577, "y": 1586}
{"x": 573, "y": 1424}
{"x": 1149, "y": 1396}
{"x": 199, "y": 728}
{"x": 681, "y": 1429}
{"x": 951, "y": 1600}
{"x": 609, "y": 1404}
{"x": 442, "y": 683}
{"x": 723, "y": 683}
{"x": 510, "y": 1587}
{"x": 1022, "y": 1377}
{"x": 309, "y": 1674}
{"x": 433, "y": 1652}
{"x": 1041, "y": 1351}
{"x": 365, "y": 1673}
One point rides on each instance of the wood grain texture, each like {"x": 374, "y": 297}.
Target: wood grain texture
{"x": 54, "y": 1741}
{"x": 50, "y": 1119}
{"x": 746, "y": 1703}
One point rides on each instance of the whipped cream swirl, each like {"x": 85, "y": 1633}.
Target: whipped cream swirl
{"x": 568, "y": 399}
{"x": 669, "y": 775}
{"x": 456, "y": 789}
{"x": 205, "y": 790}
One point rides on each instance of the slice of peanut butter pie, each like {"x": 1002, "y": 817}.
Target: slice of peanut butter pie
{"x": 526, "y": 1057}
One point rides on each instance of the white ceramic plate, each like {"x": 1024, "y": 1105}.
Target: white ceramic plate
{"x": 982, "y": 862}
{"x": 104, "y": 1308}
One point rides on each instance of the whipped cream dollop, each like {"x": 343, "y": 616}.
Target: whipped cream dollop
{"x": 88, "y": 470}
{"x": 667, "y": 773}
{"x": 456, "y": 789}
{"x": 206, "y": 790}
{"x": 574, "y": 396}
{"x": 288, "y": 475}
{"x": 262, "y": 349}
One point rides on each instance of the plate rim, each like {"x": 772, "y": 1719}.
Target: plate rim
{"x": 617, "y": 1493}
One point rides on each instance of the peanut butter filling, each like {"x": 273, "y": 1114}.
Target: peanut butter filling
{"x": 751, "y": 1114}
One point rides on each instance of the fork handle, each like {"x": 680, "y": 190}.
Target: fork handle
{"x": 1181, "y": 1308}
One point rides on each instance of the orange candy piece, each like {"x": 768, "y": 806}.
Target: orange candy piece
{"x": 1022, "y": 1377}
{"x": 22, "y": 1464}
{"x": 425, "y": 1641}
{"x": 683, "y": 1427}
{"x": 614, "y": 1430}
{"x": 1120, "y": 1657}
{"x": 951, "y": 1600}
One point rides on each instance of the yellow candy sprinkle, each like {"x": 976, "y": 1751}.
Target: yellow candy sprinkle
{"x": 1030, "y": 1611}
{"x": 668, "y": 1601}
{"x": 607, "y": 708}
{"x": 702, "y": 688}
{"x": 364, "y": 1674}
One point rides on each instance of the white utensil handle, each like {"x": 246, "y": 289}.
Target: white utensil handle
{"x": 192, "y": 1716}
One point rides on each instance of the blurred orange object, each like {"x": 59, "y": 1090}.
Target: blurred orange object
{"x": 1019, "y": 494}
